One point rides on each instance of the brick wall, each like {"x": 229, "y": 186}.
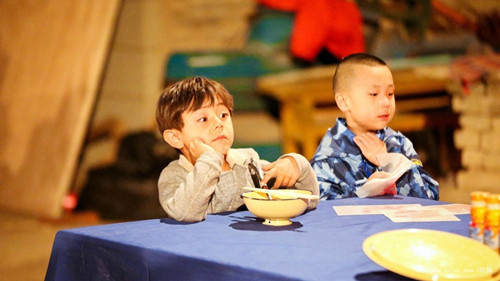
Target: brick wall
{"x": 479, "y": 135}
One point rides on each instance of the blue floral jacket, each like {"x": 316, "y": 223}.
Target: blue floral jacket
{"x": 341, "y": 168}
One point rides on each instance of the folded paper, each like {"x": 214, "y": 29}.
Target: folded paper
{"x": 395, "y": 165}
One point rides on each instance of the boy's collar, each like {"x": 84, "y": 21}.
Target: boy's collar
{"x": 233, "y": 157}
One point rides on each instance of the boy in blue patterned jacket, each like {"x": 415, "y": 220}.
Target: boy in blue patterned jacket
{"x": 348, "y": 155}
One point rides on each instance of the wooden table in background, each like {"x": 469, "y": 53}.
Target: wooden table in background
{"x": 308, "y": 106}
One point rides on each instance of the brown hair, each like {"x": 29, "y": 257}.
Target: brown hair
{"x": 188, "y": 95}
{"x": 344, "y": 71}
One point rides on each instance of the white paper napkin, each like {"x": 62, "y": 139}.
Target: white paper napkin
{"x": 395, "y": 164}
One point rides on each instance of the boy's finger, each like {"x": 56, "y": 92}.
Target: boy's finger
{"x": 278, "y": 183}
{"x": 371, "y": 137}
{"x": 370, "y": 142}
{"x": 287, "y": 182}
{"x": 358, "y": 141}
{"x": 198, "y": 140}
{"x": 267, "y": 176}
{"x": 268, "y": 167}
{"x": 360, "y": 144}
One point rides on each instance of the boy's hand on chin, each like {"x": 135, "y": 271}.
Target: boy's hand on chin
{"x": 285, "y": 170}
{"x": 370, "y": 146}
{"x": 196, "y": 148}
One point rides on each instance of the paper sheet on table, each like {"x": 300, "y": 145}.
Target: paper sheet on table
{"x": 351, "y": 210}
{"x": 456, "y": 209}
{"x": 395, "y": 164}
{"x": 420, "y": 214}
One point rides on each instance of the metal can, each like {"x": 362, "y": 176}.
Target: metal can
{"x": 476, "y": 231}
{"x": 492, "y": 222}
{"x": 478, "y": 215}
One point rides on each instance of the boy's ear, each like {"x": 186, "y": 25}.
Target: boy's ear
{"x": 173, "y": 138}
{"x": 342, "y": 102}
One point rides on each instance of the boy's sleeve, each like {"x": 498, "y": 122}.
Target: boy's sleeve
{"x": 337, "y": 179}
{"x": 307, "y": 179}
{"x": 416, "y": 182}
{"x": 186, "y": 196}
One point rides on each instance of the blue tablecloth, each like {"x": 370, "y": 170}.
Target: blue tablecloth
{"x": 319, "y": 245}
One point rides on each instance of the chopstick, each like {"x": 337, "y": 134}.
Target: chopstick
{"x": 283, "y": 192}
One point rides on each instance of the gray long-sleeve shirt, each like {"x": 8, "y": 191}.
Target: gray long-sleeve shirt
{"x": 189, "y": 192}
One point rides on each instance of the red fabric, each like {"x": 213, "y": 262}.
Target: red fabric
{"x": 336, "y": 25}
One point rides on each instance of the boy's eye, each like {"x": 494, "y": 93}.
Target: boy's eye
{"x": 224, "y": 115}
{"x": 373, "y": 94}
{"x": 390, "y": 94}
{"x": 203, "y": 119}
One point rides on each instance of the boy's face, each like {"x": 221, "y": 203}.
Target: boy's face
{"x": 211, "y": 124}
{"x": 370, "y": 102}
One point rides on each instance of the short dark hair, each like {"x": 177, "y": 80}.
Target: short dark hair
{"x": 188, "y": 95}
{"x": 343, "y": 71}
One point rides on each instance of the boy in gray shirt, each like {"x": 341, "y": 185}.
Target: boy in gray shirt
{"x": 194, "y": 117}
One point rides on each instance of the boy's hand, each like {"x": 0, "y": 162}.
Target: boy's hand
{"x": 197, "y": 147}
{"x": 388, "y": 190}
{"x": 285, "y": 170}
{"x": 370, "y": 146}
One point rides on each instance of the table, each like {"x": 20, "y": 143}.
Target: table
{"x": 308, "y": 105}
{"x": 319, "y": 245}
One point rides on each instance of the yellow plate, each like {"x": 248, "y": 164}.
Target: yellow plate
{"x": 433, "y": 255}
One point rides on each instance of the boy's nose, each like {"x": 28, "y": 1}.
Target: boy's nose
{"x": 217, "y": 123}
{"x": 385, "y": 101}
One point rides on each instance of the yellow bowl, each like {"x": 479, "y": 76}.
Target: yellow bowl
{"x": 276, "y": 211}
